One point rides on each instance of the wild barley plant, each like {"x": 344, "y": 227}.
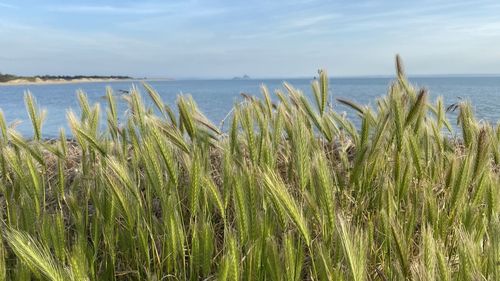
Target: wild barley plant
{"x": 293, "y": 191}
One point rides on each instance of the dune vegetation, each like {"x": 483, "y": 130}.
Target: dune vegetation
{"x": 292, "y": 190}
{"x": 10, "y": 79}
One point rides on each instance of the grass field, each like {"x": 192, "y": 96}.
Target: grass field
{"x": 292, "y": 191}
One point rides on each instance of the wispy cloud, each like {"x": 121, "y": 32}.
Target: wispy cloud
{"x": 6, "y": 26}
{"x": 310, "y": 21}
{"x": 178, "y": 17}
{"x": 7, "y": 5}
{"x": 175, "y": 10}
{"x": 107, "y": 9}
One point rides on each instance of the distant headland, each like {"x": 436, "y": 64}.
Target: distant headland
{"x": 10, "y": 79}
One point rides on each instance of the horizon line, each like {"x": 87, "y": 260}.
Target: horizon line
{"x": 238, "y": 78}
{"x": 368, "y": 76}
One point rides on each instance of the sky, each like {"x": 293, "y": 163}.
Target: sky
{"x": 223, "y": 38}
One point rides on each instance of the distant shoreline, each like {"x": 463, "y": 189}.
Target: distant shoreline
{"x": 38, "y": 81}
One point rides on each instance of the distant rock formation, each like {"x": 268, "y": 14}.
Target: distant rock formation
{"x": 244, "y": 77}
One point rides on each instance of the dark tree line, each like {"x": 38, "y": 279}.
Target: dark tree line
{"x": 10, "y": 77}
{"x": 7, "y": 77}
{"x": 73, "y": 77}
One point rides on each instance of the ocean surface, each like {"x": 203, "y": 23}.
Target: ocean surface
{"x": 215, "y": 98}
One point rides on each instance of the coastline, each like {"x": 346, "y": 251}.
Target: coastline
{"x": 38, "y": 81}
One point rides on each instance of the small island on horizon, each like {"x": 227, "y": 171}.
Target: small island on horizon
{"x": 244, "y": 77}
{"x": 11, "y": 79}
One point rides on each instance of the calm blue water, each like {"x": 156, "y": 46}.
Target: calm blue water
{"x": 216, "y": 97}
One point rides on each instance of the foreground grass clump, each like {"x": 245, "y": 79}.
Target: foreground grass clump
{"x": 293, "y": 191}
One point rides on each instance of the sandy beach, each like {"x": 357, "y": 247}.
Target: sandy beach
{"x": 39, "y": 81}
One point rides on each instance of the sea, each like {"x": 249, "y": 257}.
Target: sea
{"x": 215, "y": 98}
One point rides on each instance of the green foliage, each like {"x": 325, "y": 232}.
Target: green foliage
{"x": 293, "y": 191}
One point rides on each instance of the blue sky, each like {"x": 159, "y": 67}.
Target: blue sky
{"x": 194, "y": 38}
